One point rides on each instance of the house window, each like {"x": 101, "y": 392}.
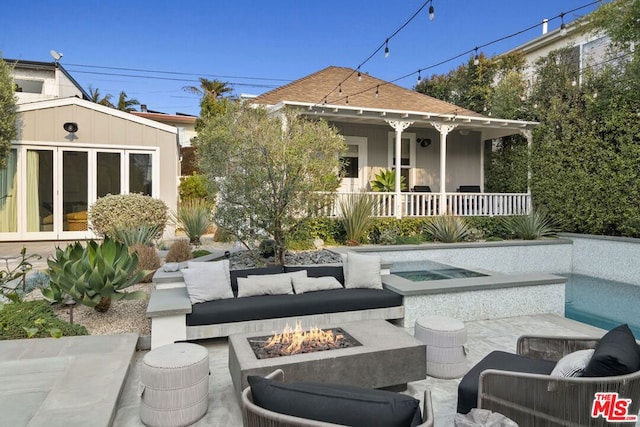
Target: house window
{"x": 407, "y": 155}
{"x": 9, "y": 195}
{"x": 108, "y": 174}
{"x": 350, "y": 162}
{"x": 140, "y": 173}
{"x": 28, "y": 86}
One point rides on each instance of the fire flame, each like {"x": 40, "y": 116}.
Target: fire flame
{"x": 292, "y": 341}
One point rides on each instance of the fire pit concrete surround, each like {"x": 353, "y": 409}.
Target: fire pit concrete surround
{"x": 388, "y": 358}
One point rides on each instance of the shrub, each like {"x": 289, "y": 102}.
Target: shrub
{"x": 448, "y": 228}
{"x": 534, "y": 226}
{"x": 179, "y": 251}
{"x": 16, "y": 272}
{"x": 143, "y": 234}
{"x": 200, "y": 252}
{"x": 148, "y": 260}
{"x": 194, "y": 216}
{"x": 408, "y": 240}
{"x": 193, "y": 187}
{"x": 385, "y": 181}
{"x": 93, "y": 276}
{"x": 267, "y": 248}
{"x": 35, "y": 280}
{"x": 34, "y": 319}
{"x": 355, "y": 214}
{"x": 126, "y": 211}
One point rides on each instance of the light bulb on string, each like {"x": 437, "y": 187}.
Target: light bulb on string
{"x": 476, "y": 58}
{"x": 347, "y": 100}
{"x": 377, "y": 90}
{"x": 386, "y": 48}
{"x": 340, "y": 89}
{"x": 359, "y": 75}
{"x": 563, "y": 26}
{"x": 432, "y": 11}
{"x": 419, "y": 76}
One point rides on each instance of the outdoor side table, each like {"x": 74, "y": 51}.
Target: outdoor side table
{"x": 446, "y": 340}
{"x": 174, "y": 385}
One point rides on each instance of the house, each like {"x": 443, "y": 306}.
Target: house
{"x": 70, "y": 151}
{"x": 438, "y": 144}
{"x": 588, "y": 49}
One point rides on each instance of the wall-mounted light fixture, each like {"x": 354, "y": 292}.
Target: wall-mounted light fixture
{"x": 70, "y": 127}
{"x": 424, "y": 142}
{"x": 464, "y": 132}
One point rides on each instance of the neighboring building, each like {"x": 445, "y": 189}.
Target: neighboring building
{"x": 186, "y": 125}
{"x": 70, "y": 151}
{"x": 440, "y": 145}
{"x": 589, "y": 49}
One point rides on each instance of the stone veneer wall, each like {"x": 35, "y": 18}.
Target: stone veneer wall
{"x": 612, "y": 258}
{"x": 506, "y": 257}
{"x": 486, "y": 303}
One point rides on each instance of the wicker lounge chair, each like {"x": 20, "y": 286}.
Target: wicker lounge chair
{"x": 540, "y": 399}
{"x": 255, "y": 416}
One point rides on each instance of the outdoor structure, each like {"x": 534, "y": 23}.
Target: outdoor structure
{"x": 70, "y": 151}
{"x": 439, "y": 145}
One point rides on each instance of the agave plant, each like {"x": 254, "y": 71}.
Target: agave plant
{"x": 448, "y": 228}
{"x": 144, "y": 234}
{"x": 534, "y": 226}
{"x": 194, "y": 216}
{"x": 355, "y": 215}
{"x": 385, "y": 181}
{"x": 93, "y": 276}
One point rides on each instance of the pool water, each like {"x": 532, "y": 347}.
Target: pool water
{"x": 429, "y": 270}
{"x": 602, "y": 303}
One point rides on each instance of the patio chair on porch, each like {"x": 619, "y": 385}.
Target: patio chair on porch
{"x": 538, "y": 386}
{"x": 355, "y": 404}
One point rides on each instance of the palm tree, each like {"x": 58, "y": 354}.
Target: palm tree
{"x": 210, "y": 88}
{"x": 95, "y": 97}
{"x": 125, "y": 104}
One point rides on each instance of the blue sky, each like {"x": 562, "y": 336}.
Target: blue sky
{"x": 257, "y": 45}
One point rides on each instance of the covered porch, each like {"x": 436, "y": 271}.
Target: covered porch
{"x": 446, "y": 179}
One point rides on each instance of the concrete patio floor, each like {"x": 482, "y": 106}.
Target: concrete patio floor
{"x": 484, "y": 337}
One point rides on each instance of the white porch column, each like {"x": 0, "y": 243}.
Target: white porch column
{"x": 444, "y": 130}
{"x": 528, "y": 134}
{"x": 398, "y": 126}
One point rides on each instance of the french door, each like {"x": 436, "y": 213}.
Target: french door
{"x": 46, "y": 191}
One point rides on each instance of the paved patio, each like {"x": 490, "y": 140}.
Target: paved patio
{"x": 484, "y": 336}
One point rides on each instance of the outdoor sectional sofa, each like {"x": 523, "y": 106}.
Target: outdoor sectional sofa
{"x": 176, "y": 318}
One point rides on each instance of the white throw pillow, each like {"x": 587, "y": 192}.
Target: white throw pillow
{"x": 571, "y": 365}
{"x": 312, "y": 284}
{"x": 267, "y": 284}
{"x": 299, "y": 273}
{"x": 208, "y": 281}
{"x": 361, "y": 271}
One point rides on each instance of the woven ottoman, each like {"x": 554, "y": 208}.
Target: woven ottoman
{"x": 174, "y": 385}
{"x": 446, "y": 340}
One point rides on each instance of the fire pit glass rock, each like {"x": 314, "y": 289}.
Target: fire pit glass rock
{"x": 297, "y": 341}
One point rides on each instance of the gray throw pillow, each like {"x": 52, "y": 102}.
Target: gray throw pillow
{"x": 268, "y": 284}
{"x": 312, "y": 284}
{"x": 207, "y": 281}
{"x": 361, "y": 271}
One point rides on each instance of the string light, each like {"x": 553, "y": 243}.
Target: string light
{"x": 476, "y": 58}
{"x": 419, "y": 77}
{"x": 386, "y": 48}
{"x": 359, "y": 75}
{"x": 563, "y": 26}
{"x": 385, "y": 44}
{"x": 340, "y": 89}
{"x": 432, "y": 11}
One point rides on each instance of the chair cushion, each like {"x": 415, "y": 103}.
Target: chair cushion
{"x": 617, "y": 353}
{"x": 338, "y": 404}
{"x": 468, "y": 387}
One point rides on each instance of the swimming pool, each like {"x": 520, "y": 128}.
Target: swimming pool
{"x": 431, "y": 270}
{"x": 602, "y": 303}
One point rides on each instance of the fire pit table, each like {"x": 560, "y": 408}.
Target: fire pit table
{"x": 387, "y": 357}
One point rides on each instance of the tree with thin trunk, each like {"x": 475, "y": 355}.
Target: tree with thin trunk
{"x": 8, "y": 130}
{"x": 125, "y": 104}
{"x": 99, "y": 99}
{"x": 271, "y": 172}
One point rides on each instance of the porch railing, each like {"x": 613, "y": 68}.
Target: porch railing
{"x": 460, "y": 204}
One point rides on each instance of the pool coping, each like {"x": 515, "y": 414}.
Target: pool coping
{"x": 407, "y": 287}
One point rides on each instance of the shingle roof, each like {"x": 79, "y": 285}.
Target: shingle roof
{"x": 359, "y": 93}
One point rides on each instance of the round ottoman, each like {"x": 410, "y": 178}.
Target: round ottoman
{"x": 174, "y": 385}
{"x": 446, "y": 341}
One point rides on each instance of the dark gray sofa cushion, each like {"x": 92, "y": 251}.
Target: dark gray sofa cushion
{"x": 276, "y": 306}
{"x": 468, "y": 387}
